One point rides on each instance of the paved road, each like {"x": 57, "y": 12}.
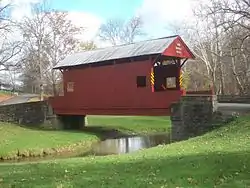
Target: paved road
{"x": 234, "y": 107}
{"x": 19, "y": 99}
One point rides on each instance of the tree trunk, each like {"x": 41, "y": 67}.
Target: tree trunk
{"x": 238, "y": 82}
{"x": 53, "y": 83}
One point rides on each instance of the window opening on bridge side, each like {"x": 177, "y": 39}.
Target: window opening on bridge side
{"x": 167, "y": 83}
{"x": 171, "y": 83}
{"x": 141, "y": 81}
{"x": 70, "y": 86}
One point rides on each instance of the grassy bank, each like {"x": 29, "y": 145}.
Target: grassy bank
{"x": 16, "y": 141}
{"x": 3, "y": 92}
{"x": 218, "y": 159}
{"x": 132, "y": 124}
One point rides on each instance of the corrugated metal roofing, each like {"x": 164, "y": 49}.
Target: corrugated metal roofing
{"x": 155, "y": 46}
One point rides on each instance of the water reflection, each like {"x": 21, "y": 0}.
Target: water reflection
{"x": 127, "y": 145}
{"x": 108, "y": 147}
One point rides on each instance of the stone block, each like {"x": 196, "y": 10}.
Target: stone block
{"x": 192, "y": 116}
{"x": 31, "y": 113}
{"x": 37, "y": 114}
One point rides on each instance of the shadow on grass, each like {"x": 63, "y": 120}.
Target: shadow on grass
{"x": 137, "y": 170}
{"x": 106, "y": 132}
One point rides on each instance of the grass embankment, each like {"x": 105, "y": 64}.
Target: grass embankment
{"x": 16, "y": 141}
{"x": 3, "y": 92}
{"x": 218, "y": 159}
{"x": 132, "y": 124}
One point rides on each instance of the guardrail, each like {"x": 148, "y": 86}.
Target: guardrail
{"x": 233, "y": 99}
{"x": 223, "y": 98}
{"x": 203, "y": 92}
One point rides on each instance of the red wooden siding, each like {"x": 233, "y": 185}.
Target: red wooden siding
{"x": 178, "y": 49}
{"x": 113, "y": 90}
{"x": 104, "y": 81}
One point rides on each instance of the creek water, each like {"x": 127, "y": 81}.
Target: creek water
{"x": 117, "y": 146}
{"x": 128, "y": 144}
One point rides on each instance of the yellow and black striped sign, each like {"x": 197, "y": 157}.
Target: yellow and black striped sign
{"x": 152, "y": 76}
{"x": 181, "y": 79}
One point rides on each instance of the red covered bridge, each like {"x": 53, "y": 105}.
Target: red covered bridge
{"x": 136, "y": 79}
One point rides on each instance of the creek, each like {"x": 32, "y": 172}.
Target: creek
{"x": 126, "y": 144}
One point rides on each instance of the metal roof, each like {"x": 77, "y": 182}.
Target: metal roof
{"x": 148, "y": 47}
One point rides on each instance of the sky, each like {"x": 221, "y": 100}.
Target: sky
{"x": 157, "y": 15}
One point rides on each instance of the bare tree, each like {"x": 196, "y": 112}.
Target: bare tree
{"x": 231, "y": 26}
{"x": 30, "y": 73}
{"x": 236, "y": 12}
{"x": 9, "y": 47}
{"x": 34, "y": 32}
{"x": 132, "y": 29}
{"x": 111, "y": 31}
{"x": 59, "y": 42}
{"x": 8, "y": 51}
{"x": 238, "y": 51}
{"x": 117, "y": 31}
{"x": 49, "y": 37}
{"x": 220, "y": 40}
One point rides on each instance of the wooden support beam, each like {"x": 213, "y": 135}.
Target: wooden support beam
{"x": 184, "y": 62}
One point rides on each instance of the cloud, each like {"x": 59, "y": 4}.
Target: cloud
{"x": 20, "y": 8}
{"x": 158, "y": 14}
{"x": 23, "y": 8}
{"x": 89, "y": 22}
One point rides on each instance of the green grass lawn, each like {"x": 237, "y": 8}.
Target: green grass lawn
{"x": 218, "y": 159}
{"x": 132, "y": 124}
{"x": 14, "y": 138}
{"x": 5, "y": 92}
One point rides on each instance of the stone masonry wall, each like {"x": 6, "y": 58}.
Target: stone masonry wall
{"x": 193, "y": 116}
{"x": 26, "y": 113}
{"x": 39, "y": 113}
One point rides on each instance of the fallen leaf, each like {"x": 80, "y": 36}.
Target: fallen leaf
{"x": 190, "y": 180}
